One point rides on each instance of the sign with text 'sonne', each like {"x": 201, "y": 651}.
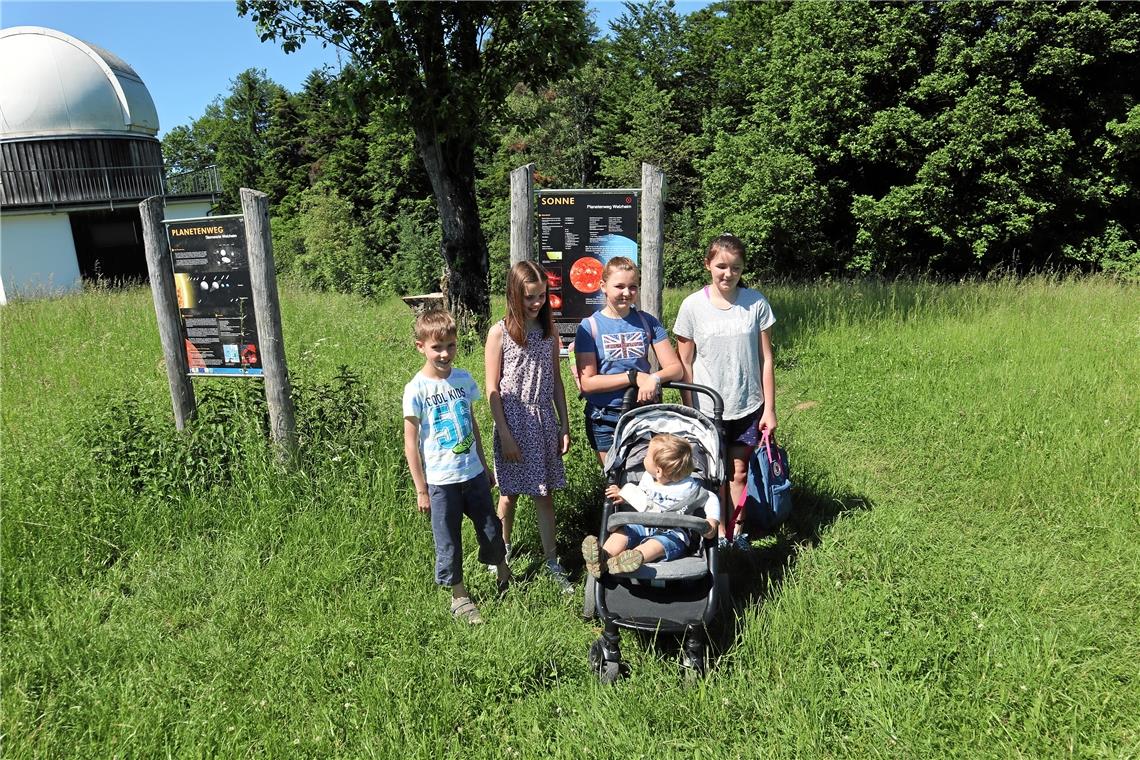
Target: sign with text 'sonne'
{"x": 579, "y": 232}
{"x": 215, "y": 300}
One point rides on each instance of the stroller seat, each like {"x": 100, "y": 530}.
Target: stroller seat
{"x": 692, "y": 566}
{"x": 680, "y": 569}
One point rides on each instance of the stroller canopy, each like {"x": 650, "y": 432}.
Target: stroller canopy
{"x": 642, "y": 423}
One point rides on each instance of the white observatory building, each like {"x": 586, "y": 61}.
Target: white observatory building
{"x": 78, "y": 152}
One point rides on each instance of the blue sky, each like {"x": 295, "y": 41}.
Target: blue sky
{"x": 187, "y": 52}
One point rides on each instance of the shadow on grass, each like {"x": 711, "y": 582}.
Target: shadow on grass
{"x": 758, "y": 575}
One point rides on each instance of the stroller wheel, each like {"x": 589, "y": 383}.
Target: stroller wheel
{"x": 612, "y": 672}
{"x": 608, "y": 671}
{"x": 694, "y": 659}
{"x": 596, "y": 655}
{"x": 693, "y": 669}
{"x": 589, "y": 610}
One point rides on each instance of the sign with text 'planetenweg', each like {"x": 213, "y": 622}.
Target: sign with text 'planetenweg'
{"x": 215, "y": 300}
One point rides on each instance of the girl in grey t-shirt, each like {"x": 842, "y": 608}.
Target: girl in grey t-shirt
{"x": 723, "y": 339}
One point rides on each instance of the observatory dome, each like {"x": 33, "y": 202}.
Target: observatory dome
{"x": 55, "y": 85}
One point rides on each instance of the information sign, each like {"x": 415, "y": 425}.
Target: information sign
{"x": 579, "y": 231}
{"x": 211, "y": 279}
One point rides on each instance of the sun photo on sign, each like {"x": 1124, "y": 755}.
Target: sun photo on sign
{"x": 586, "y": 275}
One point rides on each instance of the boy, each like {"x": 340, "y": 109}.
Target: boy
{"x": 667, "y": 486}
{"x": 445, "y": 457}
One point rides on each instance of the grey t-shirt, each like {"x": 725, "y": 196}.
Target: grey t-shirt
{"x": 728, "y": 348}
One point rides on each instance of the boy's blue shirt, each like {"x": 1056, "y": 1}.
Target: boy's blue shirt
{"x": 447, "y": 426}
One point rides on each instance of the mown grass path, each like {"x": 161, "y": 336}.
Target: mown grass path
{"x": 962, "y": 577}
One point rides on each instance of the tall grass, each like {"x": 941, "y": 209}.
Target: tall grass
{"x": 961, "y": 578}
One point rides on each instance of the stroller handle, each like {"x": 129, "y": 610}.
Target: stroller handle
{"x": 627, "y": 400}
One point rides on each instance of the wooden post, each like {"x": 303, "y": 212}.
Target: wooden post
{"x": 522, "y": 214}
{"x": 267, "y": 308}
{"x": 652, "y": 238}
{"x": 166, "y": 309}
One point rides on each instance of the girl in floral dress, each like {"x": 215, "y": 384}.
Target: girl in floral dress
{"x": 528, "y": 403}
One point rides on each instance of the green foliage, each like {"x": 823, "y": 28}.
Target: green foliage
{"x": 951, "y": 138}
{"x": 480, "y": 51}
{"x": 948, "y": 138}
{"x": 416, "y": 265}
{"x": 334, "y": 255}
{"x": 133, "y": 449}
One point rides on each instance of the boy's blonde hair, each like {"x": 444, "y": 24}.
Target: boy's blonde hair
{"x": 435, "y": 323}
{"x": 673, "y": 455}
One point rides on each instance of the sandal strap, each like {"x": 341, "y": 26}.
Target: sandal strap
{"x": 463, "y": 607}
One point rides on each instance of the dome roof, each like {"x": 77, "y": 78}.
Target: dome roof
{"x": 55, "y": 86}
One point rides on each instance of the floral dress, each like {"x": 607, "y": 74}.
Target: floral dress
{"x": 527, "y": 390}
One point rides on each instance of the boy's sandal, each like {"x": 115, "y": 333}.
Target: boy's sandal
{"x": 626, "y": 562}
{"x": 592, "y": 555}
{"x": 464, "y": 609}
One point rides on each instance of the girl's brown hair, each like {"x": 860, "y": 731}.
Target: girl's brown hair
{"x": 522, "y": 274}
{"x": 727, "y": 243}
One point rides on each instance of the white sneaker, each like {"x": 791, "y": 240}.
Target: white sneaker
{"x": 560, "y": 576}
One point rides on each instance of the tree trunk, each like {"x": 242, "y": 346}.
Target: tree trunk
{"x": 450, "y": 165}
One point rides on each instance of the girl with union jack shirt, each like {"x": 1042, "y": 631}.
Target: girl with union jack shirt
{"x": 611, "y": 350}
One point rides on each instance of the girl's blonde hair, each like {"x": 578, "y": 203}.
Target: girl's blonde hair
{"x": 673, "y": 455}
{"x": 622, "y": 263}
{"x": 522, "y": 274}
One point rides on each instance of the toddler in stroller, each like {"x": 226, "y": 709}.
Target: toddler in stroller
{"x": 666, "y": 486}
{"x": 656, "y": 568}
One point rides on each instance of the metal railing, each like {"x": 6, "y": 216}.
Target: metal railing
{"x": 198, "y": 182}
{"x": 106, "y": 184}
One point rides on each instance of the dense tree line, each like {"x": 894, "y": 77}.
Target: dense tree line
{"x": 949, "y": 139}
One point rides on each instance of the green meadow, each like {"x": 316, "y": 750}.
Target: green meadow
{"x": 961, "y": 577}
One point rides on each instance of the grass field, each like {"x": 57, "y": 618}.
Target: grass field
{"x": 961, "y": 579}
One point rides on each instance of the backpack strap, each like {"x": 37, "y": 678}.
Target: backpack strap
{"x": 649, "y": 337}
{"x": 592, "y": 326}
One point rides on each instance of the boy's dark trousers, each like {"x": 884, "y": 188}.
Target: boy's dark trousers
{"x": 448, "y": 505}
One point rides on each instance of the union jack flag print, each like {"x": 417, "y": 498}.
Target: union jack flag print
{"x": 627, "y": 345}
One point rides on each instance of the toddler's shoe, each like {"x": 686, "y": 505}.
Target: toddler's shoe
{"x": 464, "y": 609}
{"x": 560, "y": 576}
{"x": 722, "y": 543}
{"x": 741, "y": 543}
{"x": 626, "y": 562}
{"x": 592, "y": 554}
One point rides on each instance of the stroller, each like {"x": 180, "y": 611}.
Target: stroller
{"x": 680, "y": 596}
